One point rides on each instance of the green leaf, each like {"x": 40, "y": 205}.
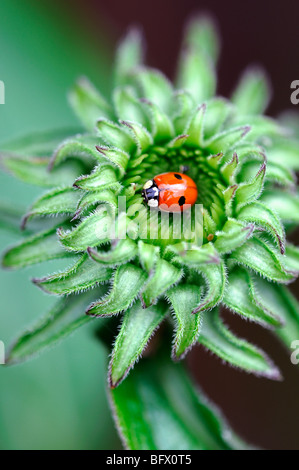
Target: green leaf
{"x": 34, "y": 170}
{"x": 184, "y": 299}
{"x": 183, "y": 108}
{"x": 162, "y": 127}
{"x": 275, "y": 173}
{"x": 201, "y": 34}
{"x": 216, "y": 337}
{"x": 115, "y": 135}
{"x": 88, "y": 104}
{"x": 243, "y": 297}
{"x": 229, "y": 169}
{"x": 290, "y": 261}
{"x": 227, "y": 139}
{"x": 257, "y": 255}
{"x": 215, "y": 277}
{"x": 127, "y": 283}
{"x": 195, "y": 128}
{"x": 83, "y": 275}
{"x": 136, "y": 330}
{"x": 82, "y": 147}
{"x": 165, "y": 411}
{"x": 165, "y": 276}
{"x": 228, "y": 195}
{"x": 121, "y": 252}
{"x": 134, "y": 168}
{"x": 196, "y": 75}
{"x": 94, "y": 230}
{"x": 37, "y": 144}
{"x": 264, "y": 217}
{"x": 284, "y": 203}
{"x": 142, "y": 137}
{"x": 10, "y": 218}
{"x": 117, "y": 157}
{"x": 102, "y": 177}
{"x": 178, "y": 141}
{"x": 129, "y": 55}
{"x": 148, "y": 255}
{"x": 195, "y": 256}
{"x": 263, "y": 128}
{"x": 232, "y": 235}
{"x": 284, "y": 151}
{"x": 94, "y": 198}
{"x": 209, "y": 224}
{"x": 62, "y": 320}
{"x": 59, "y": 201}
{"x": 281, "y": 175}
{"x": 279, "y": 300}
{"x": 217, "y": 112}
{"x": 128, "y": 106}
{"x": 249, "y": 192}
{"x": 34, "y": 249}
{"x": 154, "y": 87}
{"x": 252, "y": 94}
{"x": 248, "y": 152}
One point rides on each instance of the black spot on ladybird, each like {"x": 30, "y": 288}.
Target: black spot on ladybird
{"x": 178, "y": 176}
{"x": 182, "y": 200}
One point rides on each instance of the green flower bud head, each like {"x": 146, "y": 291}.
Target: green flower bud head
{"x": 130, "y": 259}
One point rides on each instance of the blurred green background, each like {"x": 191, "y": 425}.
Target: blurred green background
{"x": 57, "y": 401}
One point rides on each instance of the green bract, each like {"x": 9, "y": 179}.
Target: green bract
{"x": 243, "y": 165}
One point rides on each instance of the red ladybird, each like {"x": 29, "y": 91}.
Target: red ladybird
{"x": 171, "y": 192}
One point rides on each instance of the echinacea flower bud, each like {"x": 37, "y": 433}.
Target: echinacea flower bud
{"x": 243, "y": 165}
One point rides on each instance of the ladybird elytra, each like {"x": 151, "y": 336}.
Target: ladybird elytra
{"x": 170, "y": 192}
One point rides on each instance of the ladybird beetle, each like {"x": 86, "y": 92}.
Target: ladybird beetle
{"x": 171, "y": 192}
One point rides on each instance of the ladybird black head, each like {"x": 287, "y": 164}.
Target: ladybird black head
{"x": 150, "y": 194}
